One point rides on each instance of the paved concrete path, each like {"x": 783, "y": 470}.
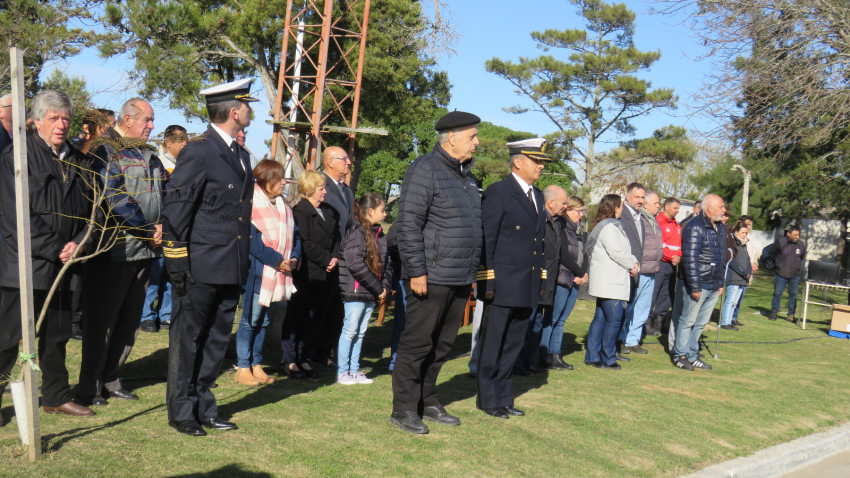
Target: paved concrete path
{"x": 822, "y": 455}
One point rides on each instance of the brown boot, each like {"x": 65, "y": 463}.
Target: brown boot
{"x": 260, "y": 375}
{"x": 244, "y": 376}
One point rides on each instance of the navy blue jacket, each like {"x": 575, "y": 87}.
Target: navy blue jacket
{"x": 206, "y": 213}
{"x": 512, "y": 263}
{"x": 703, "y": 250}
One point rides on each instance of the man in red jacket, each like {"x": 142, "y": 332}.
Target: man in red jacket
{"x": 665, "y": 278}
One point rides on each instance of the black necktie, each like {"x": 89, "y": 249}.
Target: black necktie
{"x": 233, "y": 147}
{"x": 531, "y": 198}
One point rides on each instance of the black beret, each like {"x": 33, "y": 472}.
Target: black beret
{"x": 456, "y": 119}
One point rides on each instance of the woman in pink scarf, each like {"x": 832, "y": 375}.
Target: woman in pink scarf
{"x": 275, "y": 248}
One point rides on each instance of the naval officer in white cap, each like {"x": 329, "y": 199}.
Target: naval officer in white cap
{"x": 510, "y": 274}
{"x": 206, "y": 220}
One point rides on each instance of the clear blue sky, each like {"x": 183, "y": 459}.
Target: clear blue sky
{"x": 493, "y": 28}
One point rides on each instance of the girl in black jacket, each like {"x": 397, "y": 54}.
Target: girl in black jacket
{"x": 364, "y": 277}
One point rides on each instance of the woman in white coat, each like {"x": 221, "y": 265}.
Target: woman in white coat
{"x": 611, "y": 265}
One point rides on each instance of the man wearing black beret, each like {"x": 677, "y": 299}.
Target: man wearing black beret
{"x": 439, "y": 242}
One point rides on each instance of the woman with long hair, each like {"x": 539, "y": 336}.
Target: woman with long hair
{"x": 364, "y": 278}
{"x": 611, "y": 265}
{"x": 274, "y": 252}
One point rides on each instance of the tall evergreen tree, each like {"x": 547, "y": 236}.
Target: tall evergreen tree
{"x": 594, "y": 91}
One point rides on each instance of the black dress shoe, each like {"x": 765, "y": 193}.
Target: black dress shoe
{"x": 76, "y": 332}
{"x": 496, "y": 412}
{"x": 614, "y": 366}
{"x": 148, "y": 326}
{"x": 535, "y": 369}
{"x": 521, "y": 371}
{"x": 216, "y": 423}
{"x": 514, "y": 411}
{"x": 623, "y": 359}
{"x": 409, "y": 421}
{"x": 99, "y": 402}
{"x": 438, "y": 414}
{"x": 188, "y": 427}
{"x": 291, "y": 373}
{"x": 165, "y": 325}
{"x": 558, "y": 363}
{"x": 122, "y": 394}
{"x": 594, "y": 364}
{"x": 737, "y": 324}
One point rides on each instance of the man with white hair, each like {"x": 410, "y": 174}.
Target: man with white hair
{"x": 701, "y": 280}
{"x": 638, "y": 310}
{"x": 60, "y": 201}
{"x": 5, "y": 121}
{"x": 114, "y": 283}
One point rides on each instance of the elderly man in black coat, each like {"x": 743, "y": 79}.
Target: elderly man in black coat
{"x": 439, "y": 241}
{"x": 206, "y": 219}
{"x": 60, "y": 199}
{"x": 512, "y": 267}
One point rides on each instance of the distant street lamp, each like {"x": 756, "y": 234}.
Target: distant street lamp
{"x": 745, "y": 201}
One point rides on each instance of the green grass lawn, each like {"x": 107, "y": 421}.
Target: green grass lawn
{"x": 650, "y": 419}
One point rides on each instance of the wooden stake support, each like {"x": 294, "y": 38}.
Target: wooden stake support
{"x": 22, "y": 207}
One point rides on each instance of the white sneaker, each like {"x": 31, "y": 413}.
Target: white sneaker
{"x": 346, "y": 379}
{"x": 361, "y": 377}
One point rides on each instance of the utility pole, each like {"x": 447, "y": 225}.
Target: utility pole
{"x": 745, "y": 200}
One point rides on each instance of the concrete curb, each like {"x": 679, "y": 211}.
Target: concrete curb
{"x": 783, "y": 458}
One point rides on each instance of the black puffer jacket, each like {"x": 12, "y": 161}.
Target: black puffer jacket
{"x": 572, "y": 254}
{"x": 439, "y": 220}
{"x": 60, "y": 199}
{"x": 356, "y": 281}
{"x": 740, "y": 268}
{"x": 703, "y": 250}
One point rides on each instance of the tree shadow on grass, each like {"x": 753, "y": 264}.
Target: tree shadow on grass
{"x": 68, "y": 435}
{"x": 226, "y": 471}
{"x": 271, "y": 393}
{"x": 148, "y": 370}
{"x": 463, "y": 386}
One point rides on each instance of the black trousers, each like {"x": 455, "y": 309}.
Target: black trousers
{"x": 431, "y": 329}
{"x": 665, "y": 287}
{"x": 308, "y": 320}
{"x": 113, "y": 297}
{"x": 54, "y": 335}
{"x": 503, "y": 331}
{"x": 201, "y": 322}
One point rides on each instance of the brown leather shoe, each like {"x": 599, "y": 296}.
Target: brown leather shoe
{"x": 260, "y": 374}
{"x": 70, "y": 408}
{"x": 244, "y": 376}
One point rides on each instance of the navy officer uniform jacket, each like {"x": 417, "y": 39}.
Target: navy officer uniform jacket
{"x": 206, "y": 214}
{"x": 206, "y": 219}
{"x": 512, "y": 267}
{"x": 512, "y": 262}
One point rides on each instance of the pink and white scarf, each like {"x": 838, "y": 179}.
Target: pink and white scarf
{"x": 274, "y": 220}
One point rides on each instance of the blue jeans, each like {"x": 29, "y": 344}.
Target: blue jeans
{"x": 728, "y": 313}
{"x": 638, "y": 311}
{"x": 779, "y": 285}
{"x": 399, "y": 320}
{"x": 695, "y": 314}
{"x": 354, "y": 326}
{"x": 158, "y": 287}
{"x": 554, "y": 318}
{"x": 252, "y": 332}
{"x": 602, "y": 335}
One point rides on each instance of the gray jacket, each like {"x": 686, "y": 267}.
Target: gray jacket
{"x": 653, "y": 252}
{"x": 134, "y": 180}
